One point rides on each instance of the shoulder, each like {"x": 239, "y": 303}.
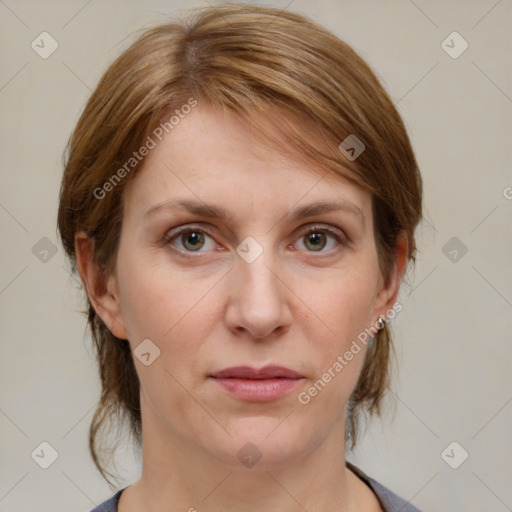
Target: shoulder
{"x": 109, "y": 505}
{"x": 390, "y": 501}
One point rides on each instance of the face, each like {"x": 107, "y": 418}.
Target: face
{"x": 250, "y": 290}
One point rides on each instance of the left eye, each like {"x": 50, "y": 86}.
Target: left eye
{"x": 316, "y": 240}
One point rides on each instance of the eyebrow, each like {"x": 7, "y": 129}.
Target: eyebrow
{"x": 211, "y": 211}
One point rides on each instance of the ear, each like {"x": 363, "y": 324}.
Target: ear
{"x": 101, "y": 289}
{"x": 388, "y": 292}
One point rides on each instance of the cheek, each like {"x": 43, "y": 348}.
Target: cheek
{"x": 151, "y": 295}
{"x": 338, "y": 313}
{"x": 167, "y": 306}
{"x": 176, "y": 314}
{"x": 342, "y": 306}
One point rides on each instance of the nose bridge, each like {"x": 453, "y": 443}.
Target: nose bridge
{"x": 259, "y": 276}
{"x": 258, "y": 279}
{"x": 257, "y": 297}
{"x": 256, "y": 260}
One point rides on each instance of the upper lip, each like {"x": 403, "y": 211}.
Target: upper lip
{"x": 267, "y": 372}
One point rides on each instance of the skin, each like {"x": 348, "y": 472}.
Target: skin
{"x": 298, "y": 305}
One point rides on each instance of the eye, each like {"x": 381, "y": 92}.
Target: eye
{"x": 317, "y": 239}
{"x": 190, "y": 239}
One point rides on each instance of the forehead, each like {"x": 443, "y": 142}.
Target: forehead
{"x": 218, "y": 156}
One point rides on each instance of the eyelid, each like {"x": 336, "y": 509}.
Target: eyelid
{"x": 183, "y": 229}
{"x": 328, "y": 229}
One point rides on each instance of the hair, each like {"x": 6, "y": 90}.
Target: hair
{"x": 256, "y": 62}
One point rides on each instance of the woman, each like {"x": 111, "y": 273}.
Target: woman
{"x": 239, "y": 199}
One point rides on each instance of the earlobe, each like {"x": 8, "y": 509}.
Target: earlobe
{"x": 101, "y": 288}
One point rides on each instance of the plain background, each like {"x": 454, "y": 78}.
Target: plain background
{"x": 452, "y": 337}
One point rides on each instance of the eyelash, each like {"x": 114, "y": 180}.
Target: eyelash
{"x": 170, "y": 236}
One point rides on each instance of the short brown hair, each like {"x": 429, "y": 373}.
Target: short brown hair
{"x": 247, "y": 59}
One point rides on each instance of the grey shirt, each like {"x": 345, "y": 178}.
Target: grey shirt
{"x": 389, "y": 501}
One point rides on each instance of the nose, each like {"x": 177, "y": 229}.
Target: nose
{"x": 258, "y": 302}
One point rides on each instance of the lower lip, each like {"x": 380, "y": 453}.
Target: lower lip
{"x": 257, "y": 390}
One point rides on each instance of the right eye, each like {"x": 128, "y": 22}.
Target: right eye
{"x": 189, "y": 239}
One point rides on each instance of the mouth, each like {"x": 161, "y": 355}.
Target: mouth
{"x": 257, "y": 385}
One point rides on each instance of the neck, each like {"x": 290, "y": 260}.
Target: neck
{"x": 180, "y": 476}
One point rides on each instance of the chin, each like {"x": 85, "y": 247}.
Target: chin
{"x": 265, "y": 446}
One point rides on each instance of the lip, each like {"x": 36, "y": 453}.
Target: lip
{"x": 257, "y": 385}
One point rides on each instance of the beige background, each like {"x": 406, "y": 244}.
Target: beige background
{"x": 453, "y": 336}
